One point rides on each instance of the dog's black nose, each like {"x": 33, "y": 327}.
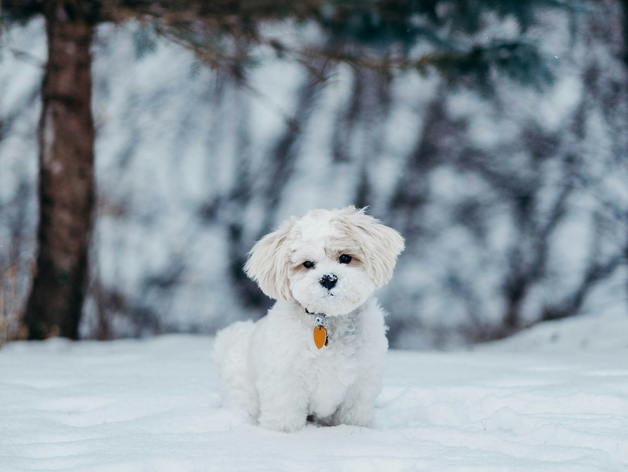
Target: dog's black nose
{"x": 329, "y": 281}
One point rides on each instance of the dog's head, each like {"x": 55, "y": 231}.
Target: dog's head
{"x": 328, "y": 261}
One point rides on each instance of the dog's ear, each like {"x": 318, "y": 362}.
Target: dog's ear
{"x": 268, "y": 263}
{"x": 380, "y": 244}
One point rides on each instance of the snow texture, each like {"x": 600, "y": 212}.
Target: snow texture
{"x": 153, "y": 405}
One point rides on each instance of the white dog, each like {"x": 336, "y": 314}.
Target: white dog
{"x": 320, "y": 350}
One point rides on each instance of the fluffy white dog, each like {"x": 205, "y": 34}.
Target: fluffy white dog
{"x": 320, "y": 350}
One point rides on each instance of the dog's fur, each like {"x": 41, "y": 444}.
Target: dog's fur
{"x": 272, "y": 368}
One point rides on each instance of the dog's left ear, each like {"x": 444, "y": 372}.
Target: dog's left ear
{"x": 268, "y": 263}
{"x": 380, "y": 244}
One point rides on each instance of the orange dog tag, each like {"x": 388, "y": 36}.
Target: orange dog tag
{"x": 320, "y": 336}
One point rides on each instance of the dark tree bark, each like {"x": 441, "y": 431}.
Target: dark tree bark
{"x": 66, "y": 176}
{"x": 624, "y": 7}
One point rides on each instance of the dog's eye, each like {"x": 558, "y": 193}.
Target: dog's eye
{"x": 308, "y": 264}
{"x": 344, "y": 259}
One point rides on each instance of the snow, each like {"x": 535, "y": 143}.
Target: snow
{"x": 532, "y": 403}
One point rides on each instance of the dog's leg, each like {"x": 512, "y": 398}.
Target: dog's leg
{"x": 283, "y": 407}
{"x": 358, "y": 406}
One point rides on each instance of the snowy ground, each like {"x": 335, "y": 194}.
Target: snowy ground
{"x": 152, "y": 406}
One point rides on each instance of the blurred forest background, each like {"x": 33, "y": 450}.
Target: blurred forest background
{"x": 492, "y": 134}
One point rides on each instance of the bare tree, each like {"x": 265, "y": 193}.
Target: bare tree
{"x": 66, "y": 173}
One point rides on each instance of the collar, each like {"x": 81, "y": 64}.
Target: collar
{"x": 320, "y": 318}
{"x": 321, "y": 334}
{"x": 308, "y": 312}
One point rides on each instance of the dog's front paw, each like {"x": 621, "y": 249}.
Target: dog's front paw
{"x": 285, "y": 423}
{"x": 354, "y": 419}
{"x": 359, "y": 413}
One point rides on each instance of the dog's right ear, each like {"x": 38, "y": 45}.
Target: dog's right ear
{"x": 380, "y": 244}
{"x": 268, "y": 263}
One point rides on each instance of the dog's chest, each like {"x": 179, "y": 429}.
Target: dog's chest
{"x": 333, "y": 369}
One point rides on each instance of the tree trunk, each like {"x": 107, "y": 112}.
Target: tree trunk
{"x": 624, "y": 7}
{"x": 66, "y": 176}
